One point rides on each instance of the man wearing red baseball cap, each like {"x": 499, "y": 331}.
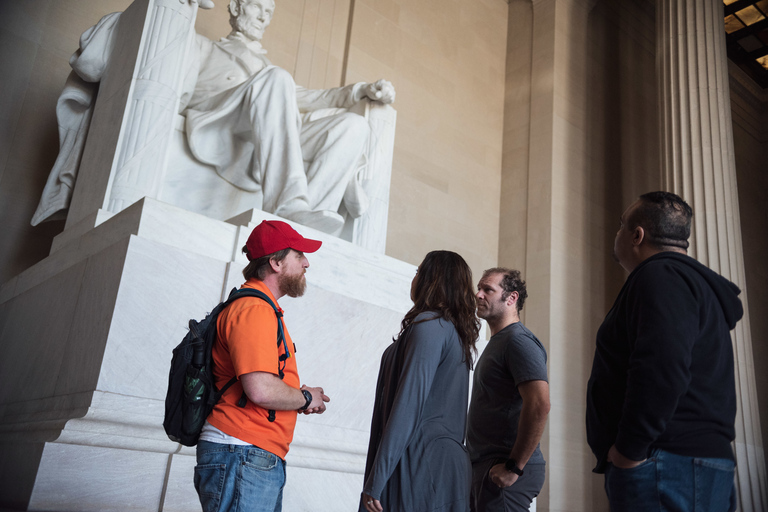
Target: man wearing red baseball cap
{"x": 242, "y": 448}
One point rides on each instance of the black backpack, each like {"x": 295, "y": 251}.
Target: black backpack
{"x": 192, "y": 391}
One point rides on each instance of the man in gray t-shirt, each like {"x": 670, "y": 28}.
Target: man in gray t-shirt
{"x": 510, "y": 401}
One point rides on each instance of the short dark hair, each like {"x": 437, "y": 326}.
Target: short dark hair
{"x": 258, "y": 268}
{"x": 665, "y": 217}
{"x": 511, "y": 281}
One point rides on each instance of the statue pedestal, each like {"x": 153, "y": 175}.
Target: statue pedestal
{"x": 85, "y": 347}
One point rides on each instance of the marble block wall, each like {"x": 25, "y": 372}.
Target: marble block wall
{"x": 85, "y": 345}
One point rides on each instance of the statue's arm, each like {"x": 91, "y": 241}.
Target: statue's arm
{"x": 314, "y": 99}
{"x": 344, "y": 97}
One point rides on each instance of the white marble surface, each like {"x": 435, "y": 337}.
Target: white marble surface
{"x": 180, "y": 494}
{"x": 101, "y": 315}
{"x": 197, "y": 187}
{"x": 160, "y": 290}
{"x": 87, "y": 478}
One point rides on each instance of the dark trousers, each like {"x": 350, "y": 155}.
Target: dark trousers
{"x": 488, "y": 497}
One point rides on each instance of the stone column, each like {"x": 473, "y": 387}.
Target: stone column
{"x": 698, "y": 164}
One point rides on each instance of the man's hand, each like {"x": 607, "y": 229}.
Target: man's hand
{"x": 501, "y": 477}
{"x": 381, "y": 90}
{"x": 620, "y": 461}
{"x": 372, "y": 505}
{"x": 317, "y": 405}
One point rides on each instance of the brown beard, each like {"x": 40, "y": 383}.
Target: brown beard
{"x": 292, "y": 285}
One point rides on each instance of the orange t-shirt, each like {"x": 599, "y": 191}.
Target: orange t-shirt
{"x": 247, "y": 342}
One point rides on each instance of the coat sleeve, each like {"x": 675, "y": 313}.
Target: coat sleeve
{"x": 423, "y": 353}
{"x": 309, "y": 100}
{"x": 662, "y": 323}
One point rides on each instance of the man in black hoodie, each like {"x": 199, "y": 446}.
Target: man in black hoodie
{"x": 661, "y": 400}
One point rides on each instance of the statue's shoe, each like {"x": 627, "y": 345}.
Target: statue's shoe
{"x": 322, "y": 220}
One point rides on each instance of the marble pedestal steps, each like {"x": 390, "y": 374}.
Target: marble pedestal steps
{"x": 85, "y": 344}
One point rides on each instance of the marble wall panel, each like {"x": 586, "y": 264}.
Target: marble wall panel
{"x": 91, "y": 319}
{"x": 87, "y": 478}
{"x": 517, "y": 117}
{"x": 34, "y": 330}
{"x": 339, "y": 341}
{"x": 322, "y": 43}
{"x": 327, "y": 492}
{"x": 161, "y": 289}
{"x": 180, "y": 494}
{"x": 22, "y": 100}
{"x": 447, "y": 130}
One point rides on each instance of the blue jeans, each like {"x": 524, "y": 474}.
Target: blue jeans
{"x": 232, "y": 478}
{"x": 672, "y": 483}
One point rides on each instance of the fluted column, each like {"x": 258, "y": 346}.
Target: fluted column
{"x": 698, "y": 164}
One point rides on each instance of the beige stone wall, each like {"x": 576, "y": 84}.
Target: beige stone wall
{"x": 749, "y": 108}
{"x": 446, "y": 59}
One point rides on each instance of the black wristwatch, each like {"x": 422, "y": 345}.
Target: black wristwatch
{"x": 511, "y": 466}
{"x": 308, "y": 398}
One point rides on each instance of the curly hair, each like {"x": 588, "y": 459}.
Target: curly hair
{"x": 511, "y": 281}
{"x": 443, "y": 284}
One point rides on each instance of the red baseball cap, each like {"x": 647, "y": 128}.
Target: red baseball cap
{"x": 274, "y": 235}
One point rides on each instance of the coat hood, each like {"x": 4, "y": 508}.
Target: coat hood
{"x": 727, "y": 293}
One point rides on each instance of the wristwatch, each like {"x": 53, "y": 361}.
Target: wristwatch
{"x": 308, "y": 398}
{"x": 511, "y": 465}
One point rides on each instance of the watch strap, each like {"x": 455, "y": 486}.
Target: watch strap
{"x": 511, "y": 465}
{"x": 308, "y": 398}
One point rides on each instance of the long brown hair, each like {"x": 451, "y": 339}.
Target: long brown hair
{"x": 443, "y": 284}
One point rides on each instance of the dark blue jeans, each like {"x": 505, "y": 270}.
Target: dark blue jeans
{"x": 672, "y": 483}
{"x": 232, "y": 478}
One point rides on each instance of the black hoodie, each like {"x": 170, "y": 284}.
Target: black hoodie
{"x": 663, "y": 374}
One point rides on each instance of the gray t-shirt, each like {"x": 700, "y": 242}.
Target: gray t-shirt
{"x": 514, "y": 355}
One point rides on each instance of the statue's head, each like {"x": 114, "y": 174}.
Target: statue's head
{"x": 251, "y": 17}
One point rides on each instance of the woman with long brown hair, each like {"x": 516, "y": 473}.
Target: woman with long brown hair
{"x": 416, "y": 457}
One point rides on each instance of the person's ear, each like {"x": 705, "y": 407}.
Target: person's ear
{"x": 512, "y": 299}
{"x": 234, "y": 8}
{"x": 275, "y": 265}
{"x": 638, "y": 235}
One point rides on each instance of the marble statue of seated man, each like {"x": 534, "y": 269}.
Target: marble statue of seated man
{"x": 249, "y": 120}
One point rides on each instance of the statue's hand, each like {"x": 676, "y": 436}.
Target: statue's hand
{"x": 204, "y": 4}
{"x": 380, "y": 90}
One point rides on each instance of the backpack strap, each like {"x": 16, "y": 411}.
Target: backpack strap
{"x": 281, "y": 362}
